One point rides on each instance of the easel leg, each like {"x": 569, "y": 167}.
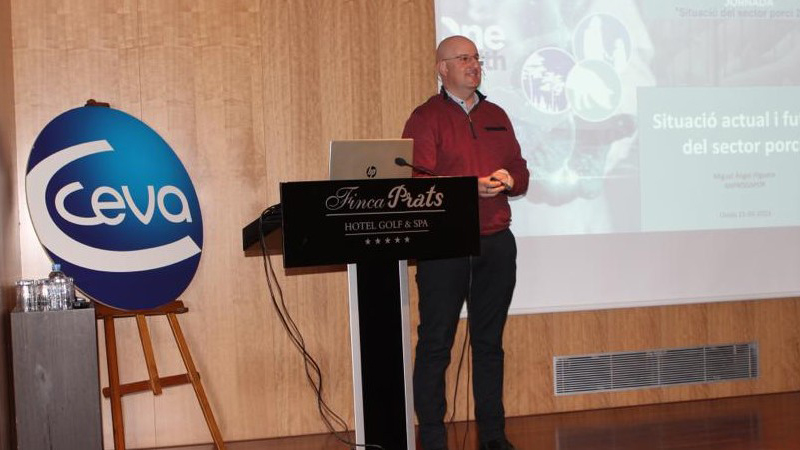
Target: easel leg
{"x": 149, "y": 357}
{"x": 194, "y": 377}
{"x": 113, "y": 384}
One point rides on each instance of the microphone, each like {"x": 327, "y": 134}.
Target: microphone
{"x": 403, "y": 163}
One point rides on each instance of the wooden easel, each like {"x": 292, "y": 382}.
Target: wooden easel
{"x": 115, "y": 391}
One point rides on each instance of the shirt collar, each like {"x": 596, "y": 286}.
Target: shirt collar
{"x": 475, "y": 100}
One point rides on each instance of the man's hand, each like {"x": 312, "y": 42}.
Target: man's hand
{"x": 499, "y": 181}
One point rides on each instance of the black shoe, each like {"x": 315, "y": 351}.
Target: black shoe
{"x": 497, "y": 444}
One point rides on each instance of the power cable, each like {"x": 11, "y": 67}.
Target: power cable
{"x": 312, "y": 369}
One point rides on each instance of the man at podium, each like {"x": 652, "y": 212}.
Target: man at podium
{"x": 459, "y": 133}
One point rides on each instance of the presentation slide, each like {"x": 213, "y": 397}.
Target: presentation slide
{"x": 663, "y": 141}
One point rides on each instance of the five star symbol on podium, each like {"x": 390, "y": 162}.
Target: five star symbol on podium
{"x": 387, "y": 240}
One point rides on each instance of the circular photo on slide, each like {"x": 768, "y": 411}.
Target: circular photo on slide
{"x": 594, "y": 90}
{"x": 544, "y": 76}
{"x": 602, "y": 37}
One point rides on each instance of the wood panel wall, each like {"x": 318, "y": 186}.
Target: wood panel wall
{"x": 9, "y": 230}
{"x": 249, "y": 93}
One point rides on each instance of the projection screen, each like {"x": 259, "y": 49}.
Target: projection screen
{"x": 663, "y": 141}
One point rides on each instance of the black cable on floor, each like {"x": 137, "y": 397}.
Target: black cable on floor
{"x": 312, "y": 369}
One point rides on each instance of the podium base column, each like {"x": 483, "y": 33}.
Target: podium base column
{"x": 380, "y": 333}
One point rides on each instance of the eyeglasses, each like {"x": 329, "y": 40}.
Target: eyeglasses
{"x": 466, "y": 59}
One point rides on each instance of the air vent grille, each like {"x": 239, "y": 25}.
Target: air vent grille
{"x": 667, "y": 367}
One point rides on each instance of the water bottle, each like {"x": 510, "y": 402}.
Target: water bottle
{"x": 56, "y": 272}
{"x": 60, "y": 291}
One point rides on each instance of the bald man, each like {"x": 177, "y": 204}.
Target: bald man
{"x": 459, "y": 133}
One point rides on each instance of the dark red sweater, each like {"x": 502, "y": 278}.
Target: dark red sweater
{"x": 450, "y": 142}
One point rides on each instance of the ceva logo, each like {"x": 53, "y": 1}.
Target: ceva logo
{"x": 111, "y": 202}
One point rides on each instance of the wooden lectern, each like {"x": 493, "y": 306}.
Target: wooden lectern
{"x": 375, "y": 226}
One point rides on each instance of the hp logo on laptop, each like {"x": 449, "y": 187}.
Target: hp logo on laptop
{"x": 111, "y": 202}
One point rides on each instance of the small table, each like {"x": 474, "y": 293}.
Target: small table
{"x": 56, "y": 379}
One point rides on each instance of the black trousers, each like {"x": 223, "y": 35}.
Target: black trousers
{"x": 487, "y": 283}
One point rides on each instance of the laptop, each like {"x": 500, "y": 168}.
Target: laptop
{"x": 370, "y": 158}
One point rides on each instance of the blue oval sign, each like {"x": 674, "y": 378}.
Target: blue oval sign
{"x": 111, "y": 202}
